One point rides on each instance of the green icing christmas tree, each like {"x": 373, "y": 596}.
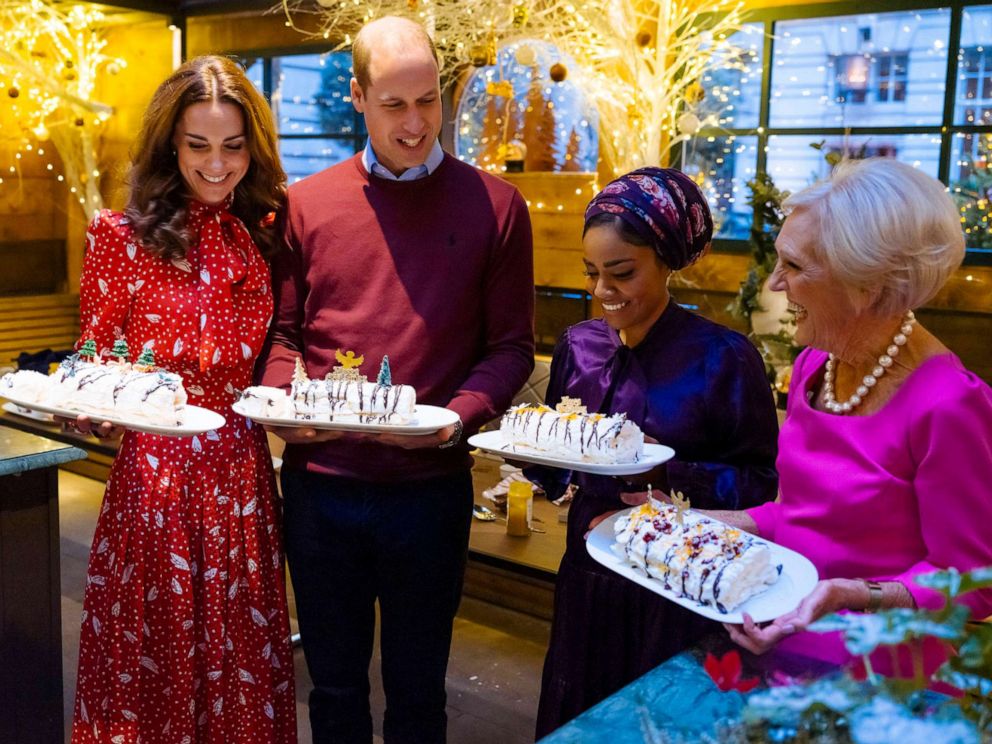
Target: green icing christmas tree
{"x": 147, "y": 358}
{"x": 119, "y": 350}
{"x": 385, "y": 376}
{"x": 88, "y": 349}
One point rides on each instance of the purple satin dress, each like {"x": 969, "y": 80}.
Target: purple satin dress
{"x": 699, "y": 388}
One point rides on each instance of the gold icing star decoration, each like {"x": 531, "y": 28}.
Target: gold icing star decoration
{"x": 570, "y": 405}
{"x": 348, "y": 359}
{"x": 681, "y": 504}
{"x": 347, "y": 368}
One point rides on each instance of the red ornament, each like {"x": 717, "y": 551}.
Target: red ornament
{"x": 726, "y": 672}
{"x": 558, "y": 72}
{"x": 268, "y": 220}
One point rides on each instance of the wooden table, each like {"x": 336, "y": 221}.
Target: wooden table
{"x": 30, "y": 590}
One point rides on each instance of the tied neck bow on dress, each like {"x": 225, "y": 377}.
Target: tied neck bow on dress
{"x": 229, "y": 264}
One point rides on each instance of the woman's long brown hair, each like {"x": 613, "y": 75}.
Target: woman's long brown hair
{"x": 157, "y": 203}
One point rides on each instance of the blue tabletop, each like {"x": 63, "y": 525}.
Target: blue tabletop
{"x": 20, "y": 452}
{"x": 675, "y": 699}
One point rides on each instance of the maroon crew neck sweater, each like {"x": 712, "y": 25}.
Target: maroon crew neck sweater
{"x": 437, "y": 273}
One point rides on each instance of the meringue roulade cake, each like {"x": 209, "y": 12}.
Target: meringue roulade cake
{"x": 568, "y": 432}
{"x": 133, "y": 392}
{"x": 694, "y": 556}
{"x": 343, "y": 395}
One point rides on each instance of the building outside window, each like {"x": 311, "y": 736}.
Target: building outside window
{"x": 914, "y": 84}
{"x": 310, "y": 98}
{"x": 904, "y": 82}
{"x": 892, "y": 77}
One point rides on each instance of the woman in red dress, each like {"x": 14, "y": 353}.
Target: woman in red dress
{"x": 185, "y": 631}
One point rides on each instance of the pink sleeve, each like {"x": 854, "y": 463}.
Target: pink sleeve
{"x": 767, "y": 515}
{"x": 952, "y": 445}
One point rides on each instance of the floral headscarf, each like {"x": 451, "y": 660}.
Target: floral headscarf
{"x": 665, "y": 207}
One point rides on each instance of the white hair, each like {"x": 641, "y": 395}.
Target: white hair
{"x": 887, "y": 231}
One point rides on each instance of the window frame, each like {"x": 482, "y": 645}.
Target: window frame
{"x": 946, "y": 129}
{"x": 246, "y": 58}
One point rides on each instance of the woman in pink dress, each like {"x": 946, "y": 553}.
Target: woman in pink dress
{"x": 185, "y": 630}
{"x": 885, "y": 456}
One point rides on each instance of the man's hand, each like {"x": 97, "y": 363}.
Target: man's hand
{"x": 85, "y": 425}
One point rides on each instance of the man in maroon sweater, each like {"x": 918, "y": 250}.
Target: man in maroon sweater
{"x": 402, "y": 250}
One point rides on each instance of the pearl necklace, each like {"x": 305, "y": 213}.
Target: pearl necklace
{"x": 870, "y": 380}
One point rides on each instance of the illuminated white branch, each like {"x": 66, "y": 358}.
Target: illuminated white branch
{"x": 50, "y": 58}
{"x": 640, "y": 60}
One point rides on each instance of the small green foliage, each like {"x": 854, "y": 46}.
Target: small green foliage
{"x": 147, "y": 357}
{"x": 120, "y": 350}
{"x": 841, "y": 709}
{"x": 385, "y": 375}
{"x": 88, "y": 349}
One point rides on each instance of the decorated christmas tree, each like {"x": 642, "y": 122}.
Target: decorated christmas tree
{"x": 147, "y": 358}
{"x": 974, "y": 195}
{"x": 119, "y": 350}
{"x": 385, "y": 375}
{"x": 88, "y": 349}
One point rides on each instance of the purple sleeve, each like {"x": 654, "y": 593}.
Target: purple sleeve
{"x": 743, "y": 429}
{"x": 952, "y": 445}
{"x": 507, "y": 357}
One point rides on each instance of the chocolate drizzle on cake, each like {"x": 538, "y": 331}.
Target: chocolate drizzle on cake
{"x": 703, "y": 560}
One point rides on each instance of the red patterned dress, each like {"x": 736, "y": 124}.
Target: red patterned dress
{"x": 185, "y": 631}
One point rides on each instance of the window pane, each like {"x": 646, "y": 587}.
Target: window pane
{"x": 973, "y": 97}
{"x": 311, "y": 94}
{"x": 723, "y": 166}
{"x": 304, "y": 157}
{"x": 971, "y": 186}
{"x": 733, "y": 84}
{"x": 793, "y": 164}
{"x": 254, "y": 70}
{"x": 877, "y": 69}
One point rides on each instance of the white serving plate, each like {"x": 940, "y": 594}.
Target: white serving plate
{"x": 426, "y": 420}
{"x": 797, "y": 579}
{"x": 27, "y": 413}
{"x": 654, "y": 455}
{"x": 196, "y": 420}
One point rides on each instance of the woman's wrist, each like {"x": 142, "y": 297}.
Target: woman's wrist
{"x": 850, "y": 594}
{"x": 866, "y": 595}
{"x": 735, "y": 518}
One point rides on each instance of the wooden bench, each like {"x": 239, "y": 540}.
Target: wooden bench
{"x": 35, "y": 323}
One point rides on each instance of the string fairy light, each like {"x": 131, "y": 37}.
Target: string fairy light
{"x": 50, "y": 59}
{"x": 639, "y": 61}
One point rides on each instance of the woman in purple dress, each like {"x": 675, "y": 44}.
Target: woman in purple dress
{"x": 689, "y": 383}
